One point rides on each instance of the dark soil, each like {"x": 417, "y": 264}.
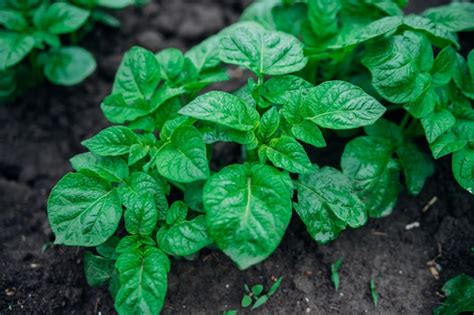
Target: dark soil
{"x": 40, "y": 132}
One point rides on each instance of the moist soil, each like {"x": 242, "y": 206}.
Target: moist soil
{"x": 41, "y": 131}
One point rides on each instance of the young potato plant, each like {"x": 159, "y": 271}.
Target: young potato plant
{"x": 145, "y": 191}
{"x": 411, "y": 64}
{"x": 32, "y": 33}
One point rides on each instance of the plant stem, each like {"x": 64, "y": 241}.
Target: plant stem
{"x": 405, "y": 120}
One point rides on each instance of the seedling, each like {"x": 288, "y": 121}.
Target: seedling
{"x": 32, "y": 33}
{"x": 335, "y": 272}
{"x": 373, "y": 292}
{"x": 254, "y": 295}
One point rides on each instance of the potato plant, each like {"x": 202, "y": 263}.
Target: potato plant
{"x": 410, "y": 63}
{"x": 145, "y": 190}
{"x": 32, "y": 37}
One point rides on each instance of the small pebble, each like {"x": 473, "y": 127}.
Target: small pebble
{"x": 412, "y": 225}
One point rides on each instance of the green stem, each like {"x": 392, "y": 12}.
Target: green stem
{"x": 405, "y": 120}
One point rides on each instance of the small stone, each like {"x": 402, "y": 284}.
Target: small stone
{"x": 9, "y": 291}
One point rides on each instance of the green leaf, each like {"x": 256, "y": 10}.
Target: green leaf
{"x": 463, "y": 168}
{"x": 98, "y": 270}
{"x": 118, "y": 111}
{"x": 184, "y": 238}
{"x": 399, "y": 66}
{"x": 373, "y": 292}
{"x": 445, "y": 144}
{"x": 423, "y": 105}
{"x": 133, "y": 242}
{"x": 341, "y": 105}
{"x": 269, "y": 124}
{"x": 368, "y": 162}
{"x": 335, "y": 272}
{"x": 170, "y": 126}
{"x": 327, "y": 202}
{"x": 13, "y": 48}
{"x": 137, "y": 78}
{"x": 205, "y": 55}
{"x": 183, "y": 159}
{"x": 417, "y": 166}
{"x": 308, "y": 132}
{"x": 274, "y": 287}
{"x": 246, "y": 301}
{"x": 107, "y": 249}
{"x": 83, "y": 210}
{"x": 171, "y": 61}
{"x": 193, "y": 196}
{"x": 260, "y": 301}
{"x": 115, "y": 4}
{"x": 224, "y": 109}
{"x": 352, "y": 35}
{"x": 139, "y": 184}
{"x": 261, "y": 12}
{"x": 141, "y": 215}
{"x": 113, "y": 169}
{"x": 257, "y": 289}
{"x": 62, "y": 18}
{"x": 322, "y": 16}
{"x": 463, "y": 75}
{"x": 143, "y": 281}
{"x": 290, "y": 19}
{"x": 262, "y": 51}
{"x": 214, "y": 133}
{"x": 437, "y": 123}
{"x": 280, "y": 89}
{"x": 456, "y": 17}
{"x": 12, "y": 20}
{"x": 444, "y": 66}
{"x": 248, "y": 208}
{"x": 137, "y": 152}
{"x": 438, "y": 34}
{"x": 176, "y": 213}
{"x": 384, "y": 128}
{"x": 459, "y": 292}
{"x": 69, "y": 65}
{"x": 111, "y": 141}
{"x": 285, "y": 152}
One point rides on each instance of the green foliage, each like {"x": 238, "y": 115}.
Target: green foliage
{"x": 367, "y": 61}
{"x": 373, "y": 292}
{"x": 335, "y": 272}
{"x": 254, "y": 294}
{"x": 459, "y": 293}
{"x": 33, "y": 46}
